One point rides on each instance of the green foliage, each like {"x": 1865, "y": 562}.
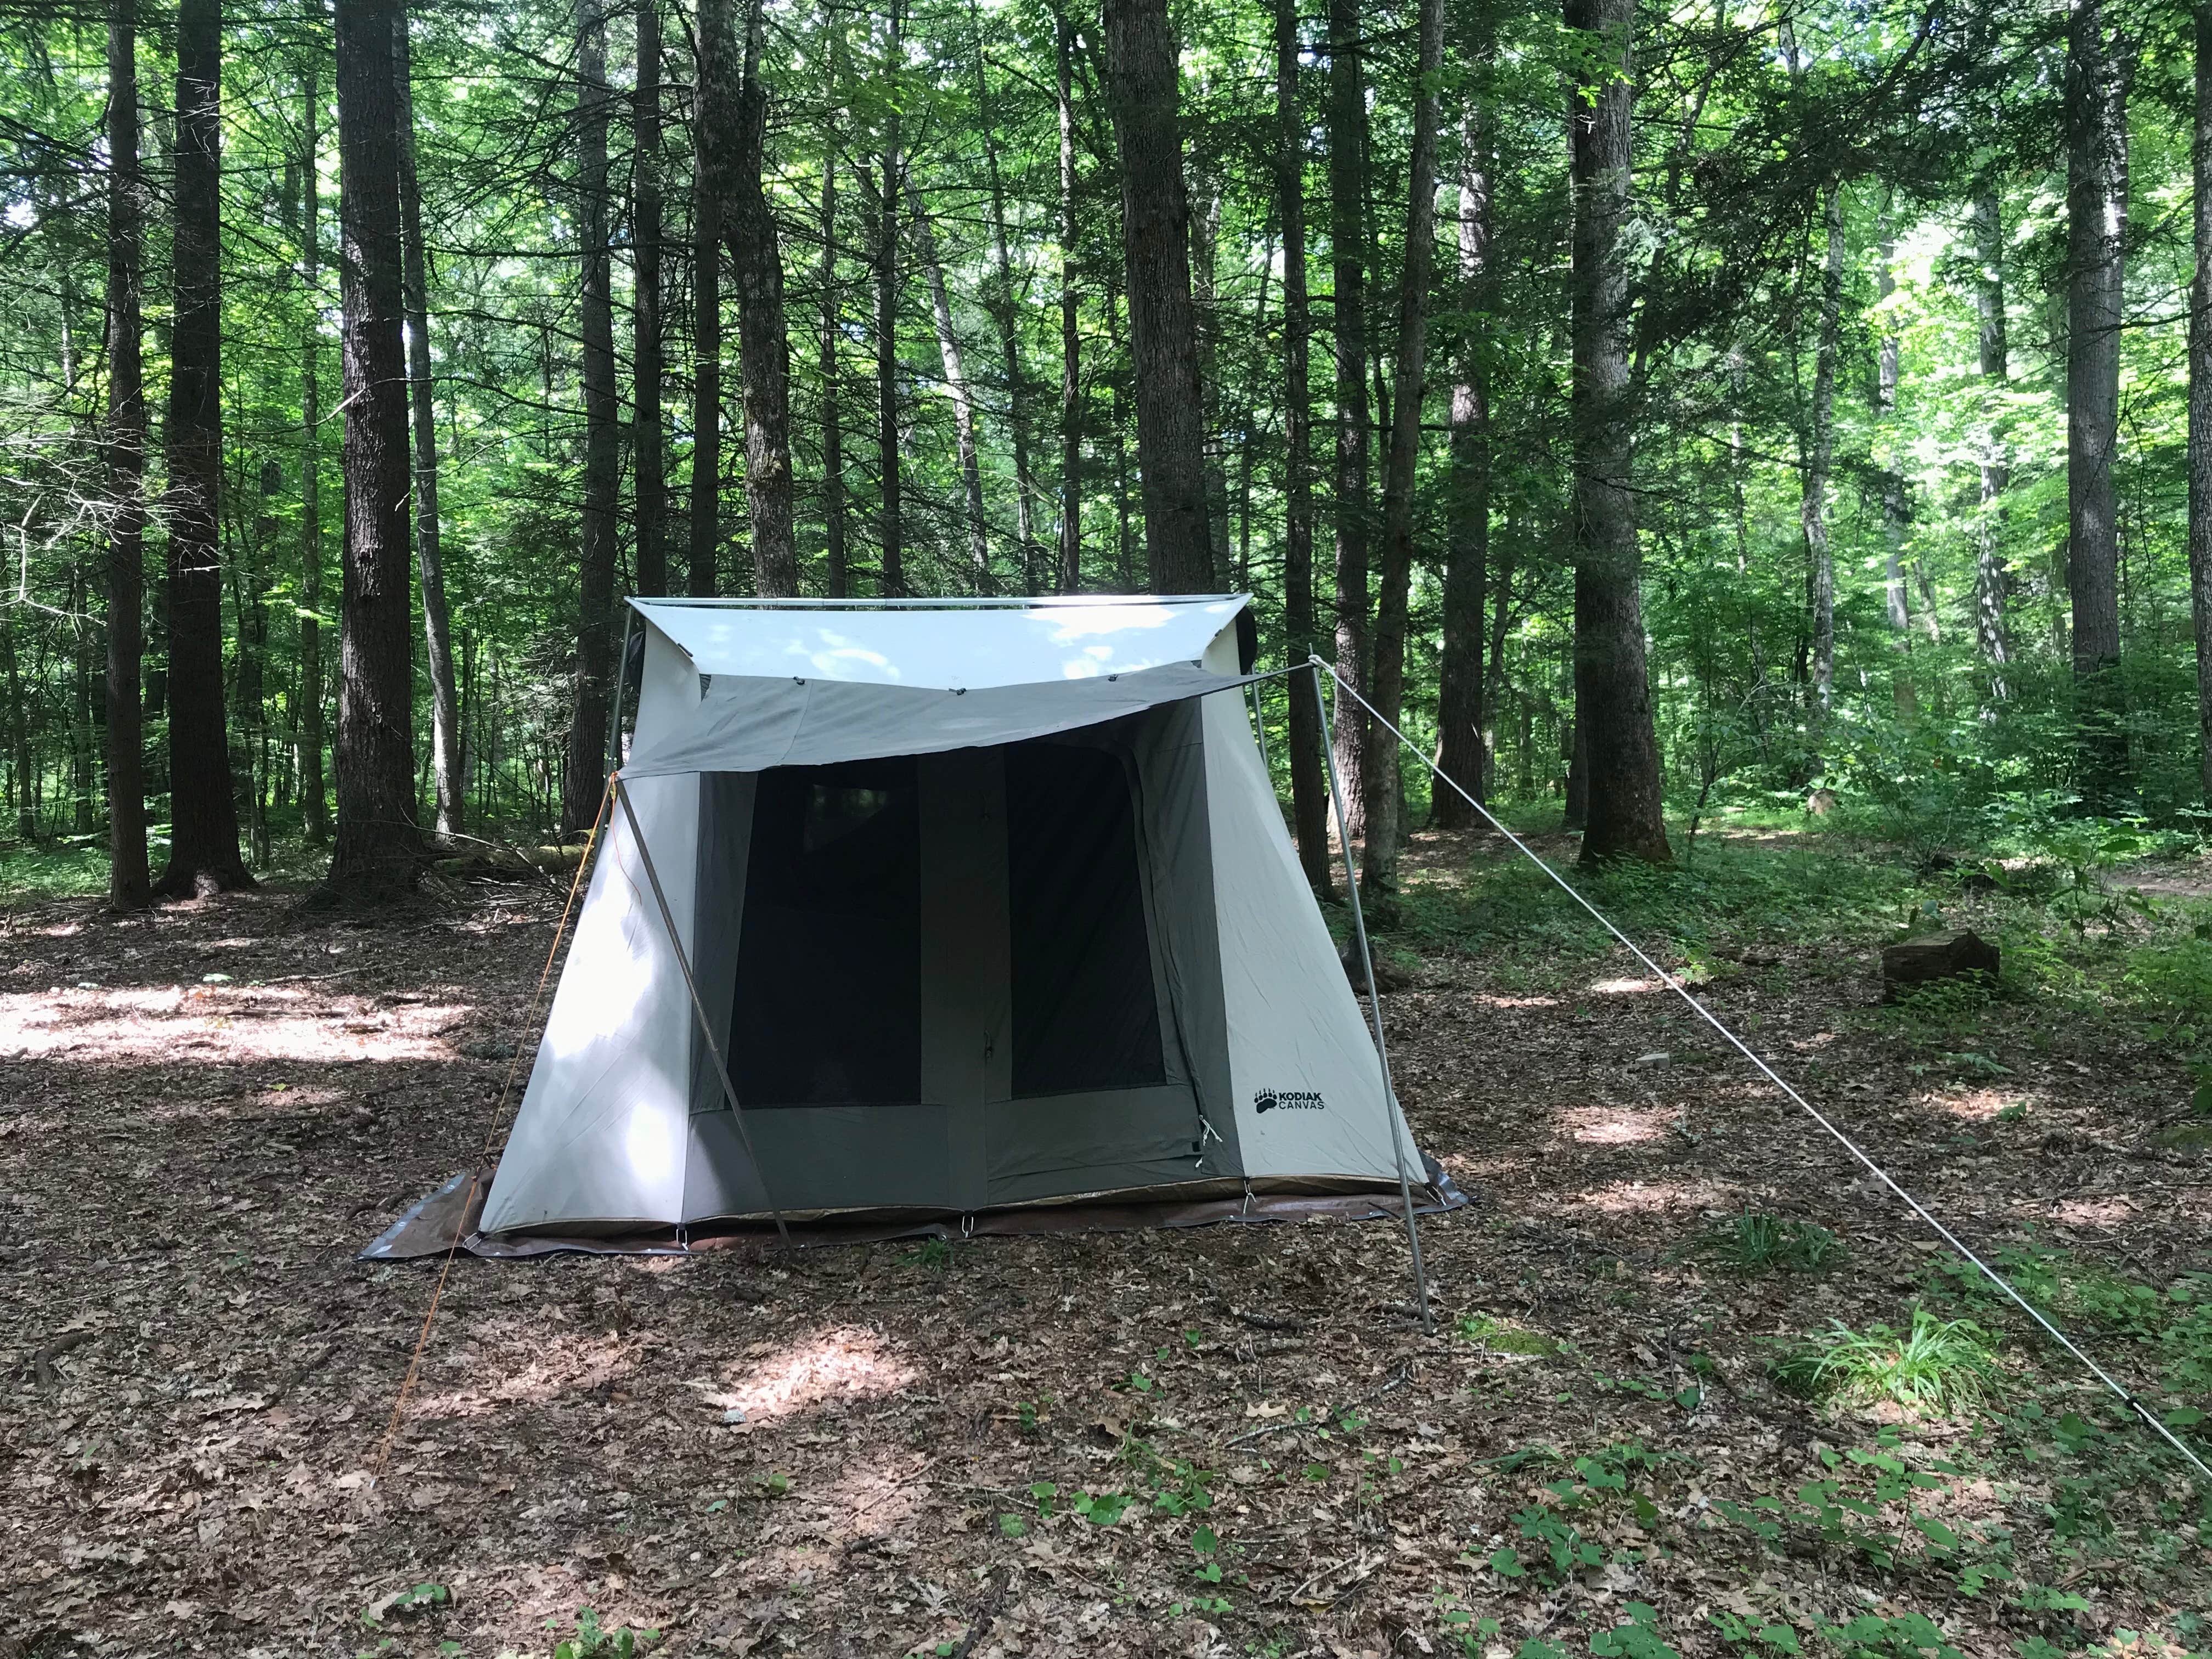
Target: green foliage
{"x": 935, "y": 1254}
{"x": 1901, "y": 1636}
{"x": 593, "y": 1641}
{"x": 1757, "y": 1242}
{"x": 1936, "y": 1365}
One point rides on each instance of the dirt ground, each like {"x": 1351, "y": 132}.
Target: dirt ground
{"x": 1233, "y": 1440}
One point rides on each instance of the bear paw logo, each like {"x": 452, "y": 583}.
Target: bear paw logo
{"x": 1264, "y": 1101}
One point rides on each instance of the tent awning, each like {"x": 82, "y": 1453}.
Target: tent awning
{"x": 943, "y": 643}
{"x": 745, "y": 723}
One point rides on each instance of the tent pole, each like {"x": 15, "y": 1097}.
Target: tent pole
{"x": 1374, "y": 1005}
{"x": 1260, "y": 725}
{"x": 698, "y": 1010}
{"x": 622, "y": 683}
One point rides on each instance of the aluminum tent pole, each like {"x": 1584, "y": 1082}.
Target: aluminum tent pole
{"x": 706, "y": 1030}
{"x": 1374, "y": 1005}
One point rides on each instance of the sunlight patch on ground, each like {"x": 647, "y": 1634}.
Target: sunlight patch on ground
{"x": 557, "y": 1363}
{"x": 1655, "y": 1197}
{"x": 848, "y": 1362}
{"x": 1978, "y": 1105}
{"x": 1482, "y": 1001}
{"x": 1615, "y": 1126}
{"x": 219, "y": 1023}
{"x": 1617, "y": 988}
{"x": 2112, "y": 1212}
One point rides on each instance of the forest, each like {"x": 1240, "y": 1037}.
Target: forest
{"x": 1759, "y": 450}
{"x": 1656, "y": 408}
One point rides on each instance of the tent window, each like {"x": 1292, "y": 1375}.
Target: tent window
{"x": 827, "y": 1009}
{"x": 1086, "y": 1015}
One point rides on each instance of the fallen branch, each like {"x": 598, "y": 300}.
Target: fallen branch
{"x": 1004, "y": 1577}
{"x": 42, "y": 1363}
{"x": 1265, "y": 1322}
{"x": 1396, "y": 1379}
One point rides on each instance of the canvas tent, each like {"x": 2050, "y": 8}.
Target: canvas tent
{"x": 987, "y": 905}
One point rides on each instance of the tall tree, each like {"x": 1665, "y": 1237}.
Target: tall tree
{"x": 833, "y": 430}
{"x": 1000, "y": 301}
{"x": 314, "y": 806}
{"x": 128, "y": 884}
{"x": 445, "y": 759}
{"x": 1309, "y": 795}
{"x": 1378, "y": 873}
{"x": 377, "y": 843}
{"x": 763, "y": 343}
{"x": 1896, "y": 603}
{"x": 964, "y": 401}
{"x": 1613, "y": 693}
{"x": 1462, "y": 712}
{"x": 709, "y": 65}
{"x": 890, "y": 569}
{"x": 585, "y": 777}
{"x": 647, "y": 453}
{"x": 1819, "y": 450}
{"x": 2098, "y": 65}
{"x": 1347, "y": 235}
{"x": 1992, "y": 580}
{"x": 1070, "y": 559}
{"x": 203, "y": 856}
{"x": 2200, "y": 397}
{"x": 1142, "y": 67}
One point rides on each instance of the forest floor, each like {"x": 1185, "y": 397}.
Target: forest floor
{"x": 1229, "y": 1440}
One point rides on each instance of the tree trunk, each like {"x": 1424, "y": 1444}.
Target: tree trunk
{"x": 128, "y": 884}
{"x": 1895, "y": 601}
{"x": 314, "y": 804}
{"x": 1142, "y": 68}
{"x": 203, "y": 855}
{"x": 963, "y": 404}
{"x": 1001, "y": 305}
{"x": 833, "y": 433}
{"x": 1991, "y": 579}
{"x": 1613, "y": 696}
{"x": 1070, "y": 352}
{"x": 378, "y": 843}
{"x": 2200, "y": 398}
{"x": 1813, "y": 501}
{"x": 647, "y": 453}
{"x": 890, "y": 573}
{"x": 1347, "y": 193}
{"x": 1378, "y": 873}
{"x": 437, "y": 625}
{"x": 711, "y": 64}
{"x": 586, "y": 778}
{"x": 2097, "y": 67}
{"x": 763, "y": 343}
{"x": 1460, "y": 706}
{"x": 1308, "y": 791}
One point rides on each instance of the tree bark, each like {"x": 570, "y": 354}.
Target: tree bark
{"x": 1613, "y": 696}
{"x": 1142, "y": 67}
{"x": 833, "y": 432}
{"x": 2098, "y": 68}
{"x": 1895, "y": 600}
{"x": 1813, "y": 500}
{"x": 378, "y": 843}
{"x": 437, "y": 625}
{"x": 314, "y": 804}
{"x": 648, "y": 374}
{"x": 709, "y": 67}
{"x": 1992, "y": 580}
{"x": 128, "y": 887}
{"x": 586, "y": 778}
{"x": 1071, "y": 341}
{"x": 763, "y": 342}
{"x": 203, "y": 856}
{"x": 1460, "y": 696}
{"x": 890, "y": 568}
{"x": 2200, "y": 397}
{"x": 1378, "y": 872}
{"x": 1347, "y": 193}
{"x": 1308, "y": 791}
{"x": 963, "y": 403}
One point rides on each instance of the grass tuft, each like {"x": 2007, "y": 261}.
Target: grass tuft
{"x": 1938, "y": 1366}
{"x": 1760, "y": 1243}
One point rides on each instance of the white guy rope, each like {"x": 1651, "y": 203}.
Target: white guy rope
{"x": 2119, "y": 1392}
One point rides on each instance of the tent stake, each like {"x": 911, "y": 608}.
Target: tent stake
{"x": 698, "y": 1010}
{"x": 1374, "y": 1005}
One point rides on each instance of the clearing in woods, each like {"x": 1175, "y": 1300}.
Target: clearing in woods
{"x": 1697, "y": 1386}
